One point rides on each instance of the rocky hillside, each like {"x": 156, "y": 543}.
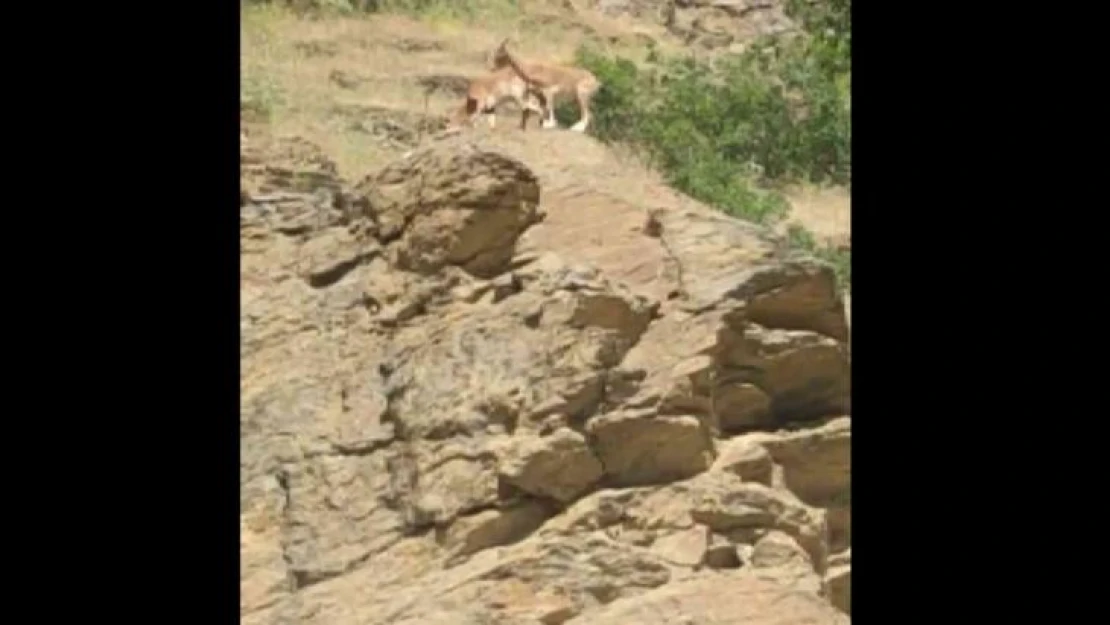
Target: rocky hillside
{"x": 512, "y": 378}
{"x": 367, "y": 88}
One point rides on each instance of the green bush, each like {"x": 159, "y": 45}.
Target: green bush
{"x": 730, "y": 132}
{"x": 773, "y": 110}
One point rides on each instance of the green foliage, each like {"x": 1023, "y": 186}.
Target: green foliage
{"x": 829, "y": 26}
{"x": 773, "y": 106}
{"x": 730, "y": 131}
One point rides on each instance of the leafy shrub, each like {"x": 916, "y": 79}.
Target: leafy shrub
{"x": 729, "y": 132}
{"x": 773, "y": 106}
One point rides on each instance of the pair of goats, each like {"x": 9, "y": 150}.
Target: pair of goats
{"x": 533, "y": 85}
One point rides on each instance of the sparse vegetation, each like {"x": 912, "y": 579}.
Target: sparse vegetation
{"x": 470, "y": 9}
{"x": 733, "y": 132}
{"x": 259, "y": 96}
{"x": 736, "y": 132}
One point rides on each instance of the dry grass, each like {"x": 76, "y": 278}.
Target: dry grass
{"x": 336, "y": 80}
{"x": 326, "y": 80}
{"x": 288, "y": 66}
{"x": 824, "y": 211}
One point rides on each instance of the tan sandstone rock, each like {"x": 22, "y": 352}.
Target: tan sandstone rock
{"x": 471, "y": 208}
{"x": 493, "y": 528}
{"x": 745, "y": 457}
{"x": 637, "y": 448}
{"x": 816, "y": 467}
{"x": 467, "y": 402}
{"x": 839, "y": 581}
{"x": 723, "y": 599}
{"x": 560, "y": 466}
{"x": 685, "y": 547}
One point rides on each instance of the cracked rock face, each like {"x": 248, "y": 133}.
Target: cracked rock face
{"x": 560, "y": 466}
{"x": 439, "y": 427}
{"x": 448, "y": 208}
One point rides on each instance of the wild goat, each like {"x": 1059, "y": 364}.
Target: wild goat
{"x": 552, "y": 80}
{"x": 487, "y": 91}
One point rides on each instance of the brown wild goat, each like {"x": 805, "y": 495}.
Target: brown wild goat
{"x": 487, "y": 91}
{"x": 553, "y": 81}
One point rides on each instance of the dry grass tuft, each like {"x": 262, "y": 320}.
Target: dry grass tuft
{"x": 824, "y": 211}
